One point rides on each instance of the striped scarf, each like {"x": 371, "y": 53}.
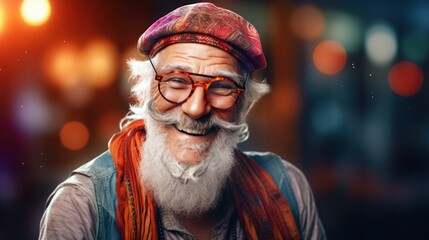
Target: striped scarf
{"x": 262, "y": 210}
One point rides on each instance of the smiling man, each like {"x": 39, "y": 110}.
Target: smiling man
{"x": 174, "y": 170}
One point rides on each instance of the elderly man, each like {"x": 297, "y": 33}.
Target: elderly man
{"x": 173, "y": 171}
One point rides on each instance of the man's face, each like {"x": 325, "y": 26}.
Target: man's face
{"x": 201, "y": 59}
{"x": 190, "y": 140}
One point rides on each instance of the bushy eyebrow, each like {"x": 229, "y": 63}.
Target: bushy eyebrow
{"x": 232, "y": 75}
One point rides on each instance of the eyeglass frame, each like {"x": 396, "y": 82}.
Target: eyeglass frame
{"x": 206, "y": 85}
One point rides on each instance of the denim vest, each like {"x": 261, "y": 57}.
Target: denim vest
{"x": 102, "y": 172}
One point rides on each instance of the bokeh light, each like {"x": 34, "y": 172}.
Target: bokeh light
{"x": 290, "y": 108}
{"x": 415, "y": 45}
{"x": 2, "y": 18}
{"x": 95, "y": 65}
{"x": 381, "y": 44}
{"x": 405, "y": 78}
{"x": 345, "y": 29}
{"x": 32, "y": 111}
{"x": 329, "y": 57}
{"x": 62, "y": 65}
{"x": 35, "y": 12}
{"x": 99, "y": 63}
{"x": 307, "y": 22}
{"x": 74, "y": 135}
{"x": 78, "y": 94}
{"x": 78, "y": 70}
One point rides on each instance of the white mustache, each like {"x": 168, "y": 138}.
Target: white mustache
{"x": 206, "y": 124}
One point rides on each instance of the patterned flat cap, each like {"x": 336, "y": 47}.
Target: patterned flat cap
{"x": 208, "y": 24}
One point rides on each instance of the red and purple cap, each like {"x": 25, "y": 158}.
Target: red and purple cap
{"x": 208, "y": 24}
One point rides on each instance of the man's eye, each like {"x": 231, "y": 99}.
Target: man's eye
{"x": 222, "y": 88}
{"x": 177, "y": 83}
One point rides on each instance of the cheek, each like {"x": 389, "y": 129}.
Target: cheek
{"x": 230, "y": 115}
{"x": 159, "y": 103}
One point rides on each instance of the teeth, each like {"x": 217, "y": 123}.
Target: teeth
{"x": 193, "y": 131}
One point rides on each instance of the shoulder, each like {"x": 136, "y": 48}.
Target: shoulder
{"x": 76, "y": 205}
{"x": 278, "y": 167}
{"x": 286, "y": 175}
{"x": 98, "y": 168}
{"x": 71, "y": 210}
{"x": 76, "y": 190}
{"x": 76, "y": 184}
{"x": 269, "y": 159}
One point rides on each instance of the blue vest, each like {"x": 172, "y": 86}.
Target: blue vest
{"x": 102, "y": 172}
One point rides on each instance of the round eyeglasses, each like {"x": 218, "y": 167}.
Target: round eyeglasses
{"x": 177, "y": 87}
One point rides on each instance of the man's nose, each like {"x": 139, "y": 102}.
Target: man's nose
{"x": 197, "y": 105}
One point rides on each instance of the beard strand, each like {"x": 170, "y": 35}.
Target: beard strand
{"x": 186, "y": 189}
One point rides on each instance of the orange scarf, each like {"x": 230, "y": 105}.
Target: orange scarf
{"x": 263, "y": 212}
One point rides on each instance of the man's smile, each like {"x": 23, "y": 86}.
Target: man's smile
{"x": 193, "y": 131}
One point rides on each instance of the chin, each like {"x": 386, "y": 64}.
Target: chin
{"x": 190, "y": 157}
{"x": 188, "y": 183}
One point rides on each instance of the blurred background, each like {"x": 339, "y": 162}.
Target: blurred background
{"x": 349, "y": 102}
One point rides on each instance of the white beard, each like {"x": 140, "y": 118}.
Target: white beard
{"x": 188, "y": 190}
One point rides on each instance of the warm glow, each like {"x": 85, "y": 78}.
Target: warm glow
{"x": 2, "y": 18}
{"x": 108, "y": 124}
{"x": 35, "y": 12}
{"x": 99, "y": 63}
{"x": 61, "y": 65}
{"x": 405, "y": 78}
{"x": 307, "y": 22}
{"x": 74, "y": 135}
{"x": 76, "y": 71}
{"x": 329, "y": 57}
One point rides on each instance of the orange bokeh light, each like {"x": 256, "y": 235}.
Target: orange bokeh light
{"x": 329, "y": 57}
{"x": 95, "y": 65}
{"x": 61, "y": 65}
{"x": 74, "y": 135}
{"x": 2, "y": 18}
{"x": 405, "y": 78}
{"x": 99, "y": 63}
{"x": 307, "y": 22}
{"x": 35, "y": 12}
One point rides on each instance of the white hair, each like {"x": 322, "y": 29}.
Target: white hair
{"x": 187, "y": 190}
{"x": 142, "y": 77}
